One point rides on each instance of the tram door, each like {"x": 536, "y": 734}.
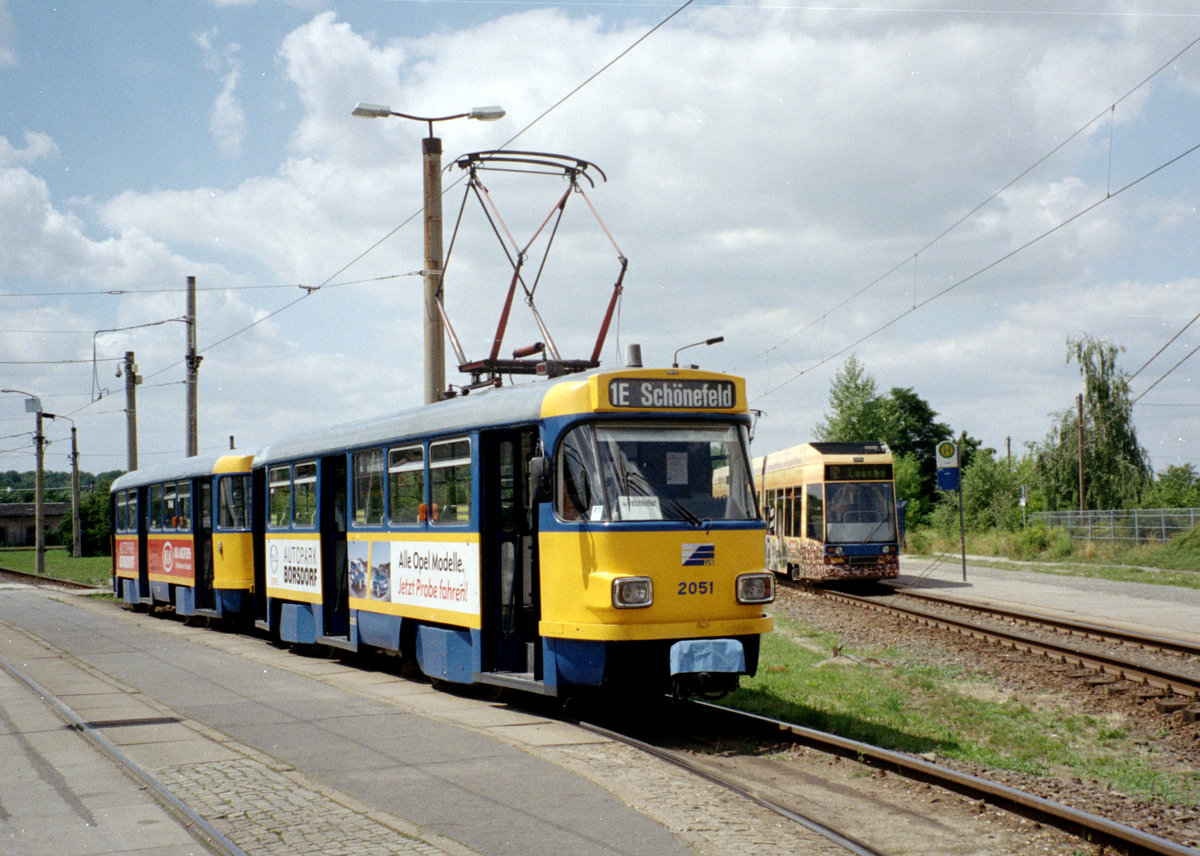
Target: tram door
{"x": 335, "y": 589}
{"x": 509, "y": 554}
{"x": 258, "y": 526}
{"x": 143, "y": 529}
{"x": 203, "y": 549}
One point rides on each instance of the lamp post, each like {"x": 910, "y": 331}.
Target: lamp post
{"x": 431, "y": 149}
{"x": 33, "y": 404}
{"x": 712, "y": 341}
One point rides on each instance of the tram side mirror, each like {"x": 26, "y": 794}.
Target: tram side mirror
{"x": 541, "y": 479}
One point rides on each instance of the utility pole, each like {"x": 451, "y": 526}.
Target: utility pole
{"x": 1079, "y": 404}
{"x": 76, "y": 550}
{"x": 435, "y": 335}
{"x": 39, "y": 486}
{"x": 132, "y": 379}
{"x": 193, "y": 371}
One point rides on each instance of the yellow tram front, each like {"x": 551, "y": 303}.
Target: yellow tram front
{"x": 650, "y": 542}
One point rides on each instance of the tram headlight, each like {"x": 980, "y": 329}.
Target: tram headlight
{"x": 632, "y": 592}
{"x": 834, "y": 551}
{"x": 755, "y": 588}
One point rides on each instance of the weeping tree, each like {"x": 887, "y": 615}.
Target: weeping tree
{"x": 1116, "y": 469}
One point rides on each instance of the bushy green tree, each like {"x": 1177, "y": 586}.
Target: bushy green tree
{"x": 902, "y": 419}
{"x": 857, "y": 412}
{"x": 95, "y": 523}
{"x": 1178, "y": 486}
{"x": 1116, "y": 469}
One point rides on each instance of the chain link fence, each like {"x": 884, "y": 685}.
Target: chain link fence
{"x": 1138, "y": 525}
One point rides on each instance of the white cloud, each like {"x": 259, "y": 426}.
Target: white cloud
{"x": 764, "y": 166}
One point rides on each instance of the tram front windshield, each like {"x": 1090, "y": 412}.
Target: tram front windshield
{"x": 694, "y": 472}
{"x": 858, "y": 512}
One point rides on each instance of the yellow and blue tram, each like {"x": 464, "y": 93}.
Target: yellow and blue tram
{"x": 561, "y": 534}
{"x": 182, "y": 537}
{"x": 831, "y": 511}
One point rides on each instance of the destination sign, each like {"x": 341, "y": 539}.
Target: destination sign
{"x": 658, "y": 394}
{"x": 858, "y": 472}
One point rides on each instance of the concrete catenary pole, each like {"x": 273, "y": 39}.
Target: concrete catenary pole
{"x": 193, "y": 372}
{"x": 39, "y": 504}
{"x": 435, "y": 336}
{"x": 131, "y": 381}
{"x": 76, "y": 550}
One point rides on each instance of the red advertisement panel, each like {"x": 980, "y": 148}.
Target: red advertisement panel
{"x": 171, "y": 558}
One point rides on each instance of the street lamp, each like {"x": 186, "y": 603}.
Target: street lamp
{"x": 431, "y": 148}
{"x": 33, "y": 404}
{"x": 712, "y": 341}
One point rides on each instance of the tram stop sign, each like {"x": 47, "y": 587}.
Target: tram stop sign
{"x": 947, "y": 465}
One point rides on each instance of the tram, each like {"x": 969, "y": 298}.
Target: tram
{"x": 554, "y": 536}
{"x": 171, "y": 549}
{"x": 831, "y": 511}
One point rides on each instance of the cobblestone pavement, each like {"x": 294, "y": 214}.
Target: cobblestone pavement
{"x": 265, "y": 811}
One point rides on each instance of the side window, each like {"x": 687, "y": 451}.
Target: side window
{"x": 280, "y": 481}
{"x": 169, "y": 507}
{"x": 406, "y": 477}
{"x": 450, "y": 481}
{"x": 156, "y": 506}
{"x": 578, "y": 488}
{"x": 368, "y": 487}
{"x": 183, "y": 506}
{"x": 233, "y": 493}
{"x": 816, "y": 513}
{"x": 305, "y": 487}
{"x": 132, "y": 520}
{"x": 122, "y": 511}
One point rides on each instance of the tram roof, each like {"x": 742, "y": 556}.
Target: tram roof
{"x": 482, "y": 408}
{"x": 194, "y": 467}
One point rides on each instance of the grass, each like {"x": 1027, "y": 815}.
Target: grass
{"x": 59, "y": 564}
{"x": 908, "y": 702}
{"x": 1173, "y": 563}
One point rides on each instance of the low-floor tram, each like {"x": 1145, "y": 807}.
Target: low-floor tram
{"x": 831, "y": 511}
{"x": 550, "y": 536}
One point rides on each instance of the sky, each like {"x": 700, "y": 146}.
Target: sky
{"x": 949, "y": 192}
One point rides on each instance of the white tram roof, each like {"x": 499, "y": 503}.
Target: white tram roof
{"x": 195, "y": 467}
{"x": 521, "y": 403}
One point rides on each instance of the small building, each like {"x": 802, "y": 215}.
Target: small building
{"x": 18, "y": 522}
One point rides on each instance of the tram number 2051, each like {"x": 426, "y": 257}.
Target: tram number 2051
{"x": 706, "y": 587}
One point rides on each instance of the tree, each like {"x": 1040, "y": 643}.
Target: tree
{"x": 857, "y": 411}
{"x": 901, "y": 419}
{"x": 1176, "y": 487}
{"x": 1116, "y": 469}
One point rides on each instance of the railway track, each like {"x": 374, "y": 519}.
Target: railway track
{"x": 1099, "y": 649}
{"x": 10, "y": 575}
{"x": 1089, "y": 828}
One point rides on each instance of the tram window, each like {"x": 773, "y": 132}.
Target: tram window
{"x": 793, "y": 515}
{"x": 280, "y": 479}
{"x": 577, "y": 478}
{"x": 815, "y": 522}
{"x": 406, "y": 476}
{"x": 169, "y": 506}
{"x": 450, "y": 481}
{"x": 122, "y": 512}
{"x": 232, "y": 495}
{"x": 183, "y": 506}
{"x": 304, "y": 485}
{"x": 131, "y": 517}
{"x": 368, "y": 487}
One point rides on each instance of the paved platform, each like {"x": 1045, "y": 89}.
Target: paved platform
{"x": 1168, "y": 611}
{"x": 307, "y": 756}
